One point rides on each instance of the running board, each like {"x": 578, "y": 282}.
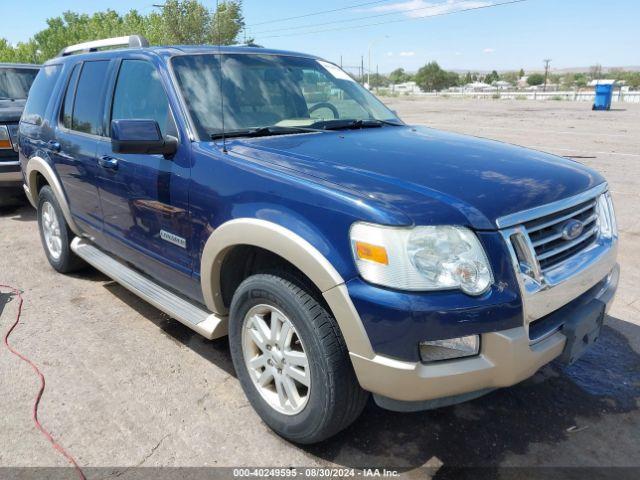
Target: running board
{"x": 205, "y": 323}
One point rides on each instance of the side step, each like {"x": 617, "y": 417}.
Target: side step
{"x": 205, "y": 323}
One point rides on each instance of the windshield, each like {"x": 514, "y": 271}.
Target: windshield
{"x": 16, "y": 82}
{"x": 271, "y": 91}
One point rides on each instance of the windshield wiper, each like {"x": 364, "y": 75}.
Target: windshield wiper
{"x": 352, "y": 124}
{"x": 264, "y": 131}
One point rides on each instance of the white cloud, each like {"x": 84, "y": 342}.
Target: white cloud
{"x": 488, "y": 50}
{"x": 422, "y": 8}
{"x": 407, "y": 54}
{"x": 389, "y": 54}
{"x": 457, "y": 54}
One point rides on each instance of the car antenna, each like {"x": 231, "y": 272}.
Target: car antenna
{"x": 217, "y": 14}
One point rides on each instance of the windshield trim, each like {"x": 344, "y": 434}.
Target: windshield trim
{"x": 193, "y": 134}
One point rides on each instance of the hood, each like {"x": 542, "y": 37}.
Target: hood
{"x": 434, "y": 177}
{"x": 10, "y": 110}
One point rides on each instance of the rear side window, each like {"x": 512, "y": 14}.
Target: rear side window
{"x": 87, "y": 105}
{"x": 40, "y": 94}
{"x": 139, "y": 94}
{"x": 67, "y": 106}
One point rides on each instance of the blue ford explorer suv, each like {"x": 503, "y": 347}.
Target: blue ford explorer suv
{"x": 266, "y": 195}
{"x": 15, "y": 81}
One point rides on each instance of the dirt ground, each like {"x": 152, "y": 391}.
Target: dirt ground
{"x": 127, "y": 386}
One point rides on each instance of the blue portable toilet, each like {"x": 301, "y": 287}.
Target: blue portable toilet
{"x": 603, "y": 94}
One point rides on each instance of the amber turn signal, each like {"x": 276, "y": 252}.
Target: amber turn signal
{"x": 373, "y": 253}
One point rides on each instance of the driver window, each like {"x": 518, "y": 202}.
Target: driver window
{"x": 321, "y": 94}
{"x": 139, "y": 94}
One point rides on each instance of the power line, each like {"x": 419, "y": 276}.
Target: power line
{"x": 319, "y": 13}
{"x": 397, "y": 21}
{"x": 433, "y": 6}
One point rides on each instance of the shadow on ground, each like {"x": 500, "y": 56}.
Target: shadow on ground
{"x": 479, "y": 433}
{"x": 22, "y": 212}
{"x": 216, "y": 351}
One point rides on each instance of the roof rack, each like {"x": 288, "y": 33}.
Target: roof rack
{"x": 132, "y": 41}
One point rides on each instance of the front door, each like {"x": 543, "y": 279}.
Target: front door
{"x": 145, "y": 198}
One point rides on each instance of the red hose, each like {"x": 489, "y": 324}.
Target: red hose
{"x": 35, "y": 368}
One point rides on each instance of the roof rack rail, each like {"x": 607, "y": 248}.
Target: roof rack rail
{"x": 132, "y": 41}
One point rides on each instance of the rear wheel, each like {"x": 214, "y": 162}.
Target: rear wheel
{"x": 55, "y": 234}
{"x": 291, "y": 360}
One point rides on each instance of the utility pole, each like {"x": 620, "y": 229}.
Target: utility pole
{"x": 362, "y": 68}
{"x": 377, "y": 78}
{"x": 547, "y": 61}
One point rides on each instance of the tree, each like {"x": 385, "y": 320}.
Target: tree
{"x": 511, "y": 77}
{"x": 228, "y": 22}
{"x": 492, "y": 77}
{"x": 432, "y": 77}
{"x": 596, "y": 72}
{"x": 399, "y": 76}
{"x": 186, "y": 22}
{"x": 179, "y": 22}
{"x": 468, "y": 78}
{"x": 521, "y": 73}
{"x": 379, "y": 80}
{"x": 453, "y": 79}
{"x": 535, "y": 79}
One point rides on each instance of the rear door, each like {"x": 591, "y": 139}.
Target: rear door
{"x": 79, "y": 130}
{"x": 145, "y": 198}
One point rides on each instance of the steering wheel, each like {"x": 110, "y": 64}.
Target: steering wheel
{"x": 327, "y": 105}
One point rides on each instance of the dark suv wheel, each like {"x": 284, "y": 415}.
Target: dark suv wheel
{"x": 55, "y": 234}
{"x": 291, "y": 360}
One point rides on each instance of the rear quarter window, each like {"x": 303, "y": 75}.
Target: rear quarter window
{"x": 40, "y": 94}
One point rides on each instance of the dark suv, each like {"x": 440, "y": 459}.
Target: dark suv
{"x": 267, "y": 195}
{"x": 15, "y": 82}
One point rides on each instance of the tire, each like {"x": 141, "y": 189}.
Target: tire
{"x": 55, "y": 234}
{"x": 333, "y": 400}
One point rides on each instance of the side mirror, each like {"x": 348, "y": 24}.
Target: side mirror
{"x": 141, "y": 136}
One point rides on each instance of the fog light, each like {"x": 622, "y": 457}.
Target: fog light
{"x": 435, "y": 350}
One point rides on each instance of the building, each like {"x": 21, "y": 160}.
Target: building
{"x": 406, "y": 88}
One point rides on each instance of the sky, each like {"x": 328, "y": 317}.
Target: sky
{"x": 409, "y": 33}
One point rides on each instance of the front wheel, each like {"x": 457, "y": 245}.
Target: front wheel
{"x": 291, "y": 360}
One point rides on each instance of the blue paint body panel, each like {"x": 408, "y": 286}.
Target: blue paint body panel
{"x": 314, "y": 184}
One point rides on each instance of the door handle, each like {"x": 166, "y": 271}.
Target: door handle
{"x": 53, "y": 145}
{"x": 108, "y": 162}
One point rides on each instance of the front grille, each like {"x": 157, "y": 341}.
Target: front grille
{"x": 546, "y": 236}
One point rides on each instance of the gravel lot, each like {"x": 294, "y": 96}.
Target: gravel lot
{"x": 127, "y": 386}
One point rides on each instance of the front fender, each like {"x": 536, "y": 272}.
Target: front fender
{"x": 293, "y": 248}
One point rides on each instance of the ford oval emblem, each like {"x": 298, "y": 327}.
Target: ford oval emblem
{"x": 572, "y": 229}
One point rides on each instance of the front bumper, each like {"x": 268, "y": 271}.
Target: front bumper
{"x": 506, "y": 358}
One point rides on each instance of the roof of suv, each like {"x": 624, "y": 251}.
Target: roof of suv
{"x": 169, "y": 51}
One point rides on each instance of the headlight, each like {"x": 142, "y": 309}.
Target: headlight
{"x": 606, "y": 216}
{"x": 421, "y": 258}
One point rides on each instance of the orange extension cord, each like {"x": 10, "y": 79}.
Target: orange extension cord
{"x": 39, "y": 426}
